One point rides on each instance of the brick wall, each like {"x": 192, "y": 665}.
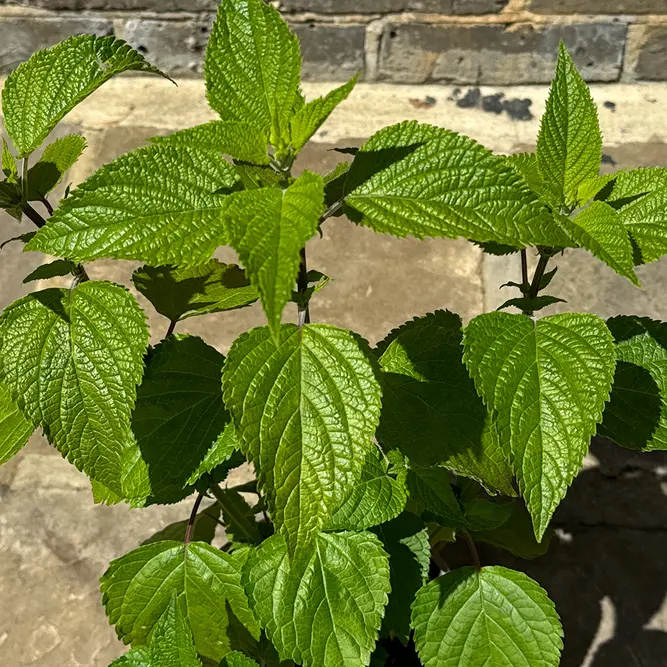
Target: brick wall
{"x": 495, "y": 42}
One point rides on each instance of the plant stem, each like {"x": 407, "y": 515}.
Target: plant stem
{"x": 192, "y": 520}
{"x": 524, "y": 267}
{"x": 47, "y": 205}
{"x": 302, "y": 286}
{"x": 24, "y": 179}
{"x": 473, "y": 549}
{"x": 229, "y": 510}
{"x": 34, "y": 217}
{"x": 539, "y": 274}
{"x": 170, "y": 330}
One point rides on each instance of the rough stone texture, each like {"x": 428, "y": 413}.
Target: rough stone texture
{"x": 20, "y": 38}
{"x": 647, "y": 52}
{"x": 598, "y": 6}
{"x": 385, "y": 6}
{"x": 123, "y": 5}
{"x": 497, "y": 55}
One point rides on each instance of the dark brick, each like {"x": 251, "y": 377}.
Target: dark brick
{"x": 599, "y": 6}
{"x": 385, "y": 6}
{"x": 648, "y": 44}
{"x": 497, "y": 55}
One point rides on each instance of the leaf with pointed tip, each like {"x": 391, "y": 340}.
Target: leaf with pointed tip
{"x": 40, "y": 92}
{"x": 305, "y": 410}
{"x": 239, "y": 519}
{"x": 268, "y": 228}
{"x": 179, "y": 293}
{"x": 8, "y": 163}
{"x": 493, "y": 616}
{"x": 137, "y": 588}
{"x": 569, "y": 145}
{"x": 10, "y": 198}
{"x": 526, "y": 165}
{"x": 526, "y": 304}
{"x": 15, "y": 429}
{"x": 325, "y": 609}
{"x": 155, "y": 204}
{"x": 59, "y": 267}
{"x": 334, "y": 184}
{"x": 72, "y": 360}
{"x": 591, "y": 187}
{"x": 431, "y": 490}
{"x": 24, "y": 238}
{"x": 548, "y": 381}
{"x": 58, "y": 157}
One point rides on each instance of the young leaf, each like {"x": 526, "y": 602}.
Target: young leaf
{"x": 252, "y": 68}
{"x": 323, "y": 610}
{"x": 8, "y": 163}
{"x": 306, "y": 411}
{"x": 239, "y": 519}
{"x": 431, "y": 411}
{"x": 268, "y": 227}
{"x": 39, "y": 93}
{"x": 569, "y": 145}
{"x": 526, "y": 304}
{"x": 72, "y": 360}
{"x": 58, "y": 157}
{"x": 179, "y": 293}
{"x": 155, "y": 204}
{"x": 421, "y": 180}
{"x": 15, "y": 429}
{"x": 24, "y": 238}
{"x": 593, "y": 186}
{"x": 137, "y": 588}
{"x": 237, "y": 659}
{"x": 548, "y": 381}
{"x": 493, "y": 616}
{"x": 525, "y": 164}
{"x": 59, "y": 267}
{"x": 430, "y": 488}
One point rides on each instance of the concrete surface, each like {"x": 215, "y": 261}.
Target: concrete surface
{"x": 605, "y": 571}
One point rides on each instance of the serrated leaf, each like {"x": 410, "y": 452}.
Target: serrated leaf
{"x": 421, "y": 180}
{"x": 239, "y": 519}
{"x": 237, "y": 659}
{"x": 375, "y": 498}
{"x": 430, "y": 488}
{"x": 323, "y": 610}
{"x": 526, "y": 165}
{"x": 72, "y": 360}
{"x": 593, "y": 186}
{"x": 155, "y": 204}
{"x": 493, "y": 616}
{"x": 59, "y": 267}
{"x": 569, "y": 145}
{"x": 15, "y": 429}
{"x": 179, "y": 293}
{"x": 311, "y": 116}
{"x": 8, "y": 162}
{"x": 256, "y": 176}
{"x": 40, "y": 92}
{"x": 137, "y": 588}
{"x": 548, "y": 381}
{"x": 431, "y": 411}
{"x": 528, "y": 305}
{"x": 482, "y": 514}
{"x": 268, "y": 228}
{"x": 306, "y": 410}
{"x": 252, "y": 67}
{"x": 58, "y": 157}
{"x": 240, "y": 140}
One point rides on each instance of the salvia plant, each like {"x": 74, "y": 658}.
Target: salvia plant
{"x": 368, "y": 461}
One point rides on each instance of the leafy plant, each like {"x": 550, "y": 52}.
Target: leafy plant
{"x": 368, "y": 461}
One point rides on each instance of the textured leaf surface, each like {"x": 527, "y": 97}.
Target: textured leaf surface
{"x": 425, "y": 181}
{"x": 324, "y": 610}
{"x": 72, "y": 360}
{"x": 431, "y": 411}
{"x": 493, "y": 616}
{"x": 155, "y": 204}
{"x": 430, "y": 488}
{"x": 268, "y": 227}
{"x": 548, "y": 381}
{"x": 252, "y": 67}
{"x": 58, "y": 157}
{"x": 15, "y": 429}
{"x": 237, "y": 659}
{"x": 569, "y": 145}
{"x": 306, "y": 410}
{"x": 137, "y": 588}
{"x": 178, "y": 293}
{"x": 40, "y": 92}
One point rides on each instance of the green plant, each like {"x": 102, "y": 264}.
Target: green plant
{"x": 368, "y": 461}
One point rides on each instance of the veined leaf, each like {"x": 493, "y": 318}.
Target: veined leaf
{"x": 569, "y": 145}
{"x": 15, "y": 429}
{"x": 493, "y": 616}
{"x": 8, "y": 163}
{"x": 137, "y": 588}
{"x": 422, "y": 180}
{"x": 59, "y": 267}
{"x": 58, "y": 157}
{"x": 39, "y": 93}
{"x": 155, "y": 204}
{"x": 548, "y": 381}
{"x": 306, "y": 410}
{"x": 237, "y": 659}
{"x": 526, "y": 165}
{"x": 252, "y": 68}
{"x": 323, "y": 610}
{"x": 431, "y": 490}
{"x": 593, "y": 186}
{"x": 482, "y": 514}
{"x": 72, "y": 360}
{"x": 179, "y": 293}
{"x": 268, "y": 228}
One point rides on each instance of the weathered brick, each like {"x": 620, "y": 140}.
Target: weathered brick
{"x": 647, "y": 52}
{"x": 330, "y": 52}
{"x": 122, "y": 5}
{"x": 496, "y": 54}
{"x": 598, "y": 6}
{"x": 20, "y": 38}
{"x": 384, "y": 6}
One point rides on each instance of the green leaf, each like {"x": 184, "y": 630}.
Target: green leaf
{"x": 24, "y": 238}
{"x": 430, "y": 409}
{"x": 10, "y": 198}
{"x": 375, "y": 498}
{"x": 323, "y": 610}
{"x": 57, "y": 158}
{"x": 237, "y": 659}
{"x": 526, "y": 304}
{"x": 482, "y": 514}
{"x": 42, "y": 91}
{"x": 593, "y": 186}
{"x": 8, "y": 163}
{"x": 15, "y": 429}
{"x": 334, "y": 184}
{"x": 421, "y": 180}
{"x": 155, "y": 204}
{"x": 311, "y": 116}
{"x": 493, "y": 616}
{"x": 306, "y": 410}
{"x": 525, "y": 164}
{"x": 72, "y": 360}
{"x": 252, "y": 68}
{"x": 239, "y": 519}
{"x": 179, "y": 293}
{"x": 569, "y": 145}
{"x": 430, "y": 488}
{"x": 240, "y": 140}
{"x": 206, "y": 526}
{"x": 59, "y": 267}
{"x": 268, "y": 228}
{"x": 137, "y": 588}
{"x": 548, "y": 381}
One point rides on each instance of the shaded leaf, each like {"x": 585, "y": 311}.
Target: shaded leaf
{"x": 58, "y": 157}
{"x": 59, "y": 267}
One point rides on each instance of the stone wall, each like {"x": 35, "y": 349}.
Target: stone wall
{"x": 494, "y": 42}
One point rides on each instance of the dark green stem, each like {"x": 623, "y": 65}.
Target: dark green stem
{"x": 538, "y": 275}
{"x": 524, "y": 267}
{"x": 302, "y": 287}
{"x": 473, "y": 549}
{"x": 192, "y": 520}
